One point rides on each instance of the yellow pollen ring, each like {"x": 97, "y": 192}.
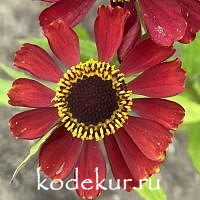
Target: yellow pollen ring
{"x": 83, "y": 71}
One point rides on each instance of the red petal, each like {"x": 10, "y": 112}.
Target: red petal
{"x": 191, "y": 13}
{"x": 151, "y": 138}
{"x": 71, "y": 11}
{"x": 132, "y": 30}
{"x": 63, "y": 42}
{"x": 167, "y": 113}
{"x": 164, "y": 20}
{"x": 59, "y": 154}
{"x": 130, "y": 39}
{"x": 120, "y": 168}
{"x": 163, "y": 80}
{"x": 188, "y": 37}
{"x": 37, "y": 61}
{"x": 139, "y": 165}
{"x": 112, "y": 20}
{"x": 33, "y": 124}
{"x": 90, "y": 159}
{"x": 30, "y": 93}
{"x": 145, "y": 55}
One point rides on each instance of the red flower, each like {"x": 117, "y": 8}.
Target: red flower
{"x": 166, "y": 21}
{"x": 72, "y": 12}
{"x": 171, "y": 20}
{"x": 92, "y": 102}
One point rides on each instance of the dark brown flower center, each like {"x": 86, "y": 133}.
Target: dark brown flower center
{"x": 92, "y": 100}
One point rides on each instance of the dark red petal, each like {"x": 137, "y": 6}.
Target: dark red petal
{"x": 30, "y": 93}
{"x": 188, "y": 37}
{"x": 112, "y": 20}
{"x": 139, "y": 165}
{"x": 163, "y": 80}
{"x": 63, "y": 42}
{"x": 132, "y": 29}
{"x": 120, "y": 168}
{"x": 33, "y": 124}
{"x": 167, "y": 113}
{"x": 90, "y": 159}
{"x": 164, "y": 20}
{"x": 37, "y": 61}
{"x": 151, "y": 138}
{"x": 130, "y": 39}
{"x": 59, "y": 154}
{"x": 191, "y": 13}
{"x": 145, "y": 55}
{"x": 71, "y": 11}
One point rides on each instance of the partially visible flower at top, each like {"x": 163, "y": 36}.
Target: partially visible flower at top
{"x": 166, "y": 21}
{"x": 169, "y": 21}
{"x": 93, "y": 102}
{"x": 73, "y": 11}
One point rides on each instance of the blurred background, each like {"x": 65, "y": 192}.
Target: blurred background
{"x": 179, "y": 174}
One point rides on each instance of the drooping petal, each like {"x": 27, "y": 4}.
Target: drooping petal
{"x": 120, "y": 168}
{"x": 140, "y": 166}
{"x": 188, "y": 37}
{"x": 38, "y": 62}
{"x": 130, "y": 39}
{"x": 145, "y": 55}
{"x": 59, "y": 154}
{"x": 163, "y": 80}
{"x": 63, "y": 42}
{"x": 165, "y": 112}
{"x": 30, "y": 93}
{"x": 151, "y": 138}
{"x": 71, "y": 11}
{"x": 164, "y": 20}
{"x": 132, "y": 29}
{"x": 112, "y": 20}
{"x": 91, "y": 165}
{"x": 190, "y": 10}
{"x": 33, "y": 124}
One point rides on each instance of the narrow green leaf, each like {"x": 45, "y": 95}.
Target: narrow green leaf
{"x": 193, "y": 144}
{"x": 12, "y": 72}
{"x": 192, "y": 109}
{"x": 88, "y": 50}
{"x": 82, "y": 33}
{"x": 150, "y": 191}
{"x": 33, "y": 150}
{"x": 5, "y": 86}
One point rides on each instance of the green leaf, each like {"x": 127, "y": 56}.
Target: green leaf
{"x": 82, "y": 33}
{"x": 12, "y": 72}
{"x": 193, "y": 144}
{"x": 5, "y": 86}
{"x": 192, "y": 109}
{"x": 42, "y": 42}
{"x": 33, "y": 150}
{"x": 190, "y": 56}
{"x": 88, "y": 50}
{"x": 148, "y": 194}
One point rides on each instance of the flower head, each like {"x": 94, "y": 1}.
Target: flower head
{"x": 93, "y": 102}
{"x": 169, "y": 21}
{"x": 165, "y": 21}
